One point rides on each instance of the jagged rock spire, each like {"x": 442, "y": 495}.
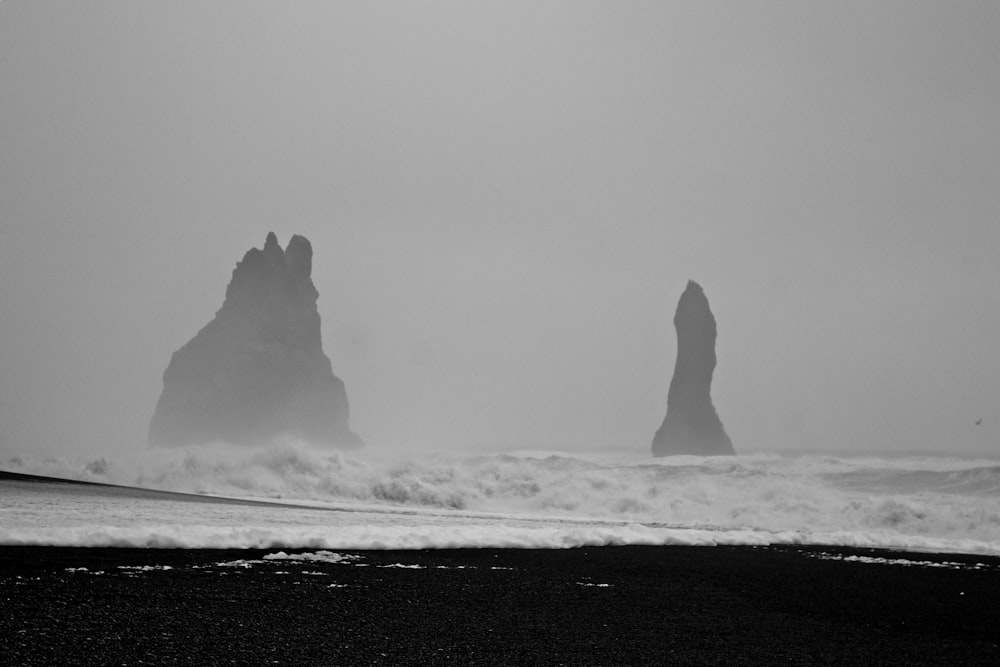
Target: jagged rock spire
{"x": 692, "y": 425}
{"x": 257, "y": 371}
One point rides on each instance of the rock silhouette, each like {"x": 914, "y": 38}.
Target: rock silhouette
{"x": 257, "y": 371}
{"x": 692, "y": 425}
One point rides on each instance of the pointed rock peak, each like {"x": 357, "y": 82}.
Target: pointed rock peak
{"x": 271, "y": 242}
{"x": 693, "y": 313}
{"x": 693, "y": 293}
{"x": 274, "y": 256}
{"x": 299, "y": 254}
{"x": 273, "y": 253}
{"x": 692, "y": 286}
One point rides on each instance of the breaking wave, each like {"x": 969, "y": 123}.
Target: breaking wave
{"x": 922, "y": 502}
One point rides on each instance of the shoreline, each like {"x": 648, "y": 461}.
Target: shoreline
{"x": 590, "y": 605}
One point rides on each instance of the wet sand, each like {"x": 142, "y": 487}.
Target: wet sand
{"x": 608, "y": 605}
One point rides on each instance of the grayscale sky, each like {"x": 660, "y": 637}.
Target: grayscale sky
{"x": 506, "y": 200}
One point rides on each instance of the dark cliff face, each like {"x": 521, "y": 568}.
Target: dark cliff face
{"x": 692, "y": 425}
{"x": 257, "y": 371}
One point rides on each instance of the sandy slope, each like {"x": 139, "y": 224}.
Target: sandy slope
{"x": 122, "y": 491}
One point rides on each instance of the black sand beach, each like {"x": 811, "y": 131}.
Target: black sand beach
{"x": 610, "y": 605}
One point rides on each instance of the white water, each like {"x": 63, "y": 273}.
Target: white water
{"x": 522, "y": 499}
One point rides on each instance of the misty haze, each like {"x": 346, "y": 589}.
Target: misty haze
{"x": 348, "y": 288}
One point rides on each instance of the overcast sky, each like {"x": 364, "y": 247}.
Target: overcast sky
{"x": 505, "y": 201}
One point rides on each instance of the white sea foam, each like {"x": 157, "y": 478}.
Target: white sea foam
{"x": 315, "y": 557}
{"x": 904, "y": 562}
{"x": 520, "y": 499}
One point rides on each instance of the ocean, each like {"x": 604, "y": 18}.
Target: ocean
{"x": 378, "y": 499}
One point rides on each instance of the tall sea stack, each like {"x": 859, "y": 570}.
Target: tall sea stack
{"x": 257, "y": 371}
{"x": 691, "y": 425}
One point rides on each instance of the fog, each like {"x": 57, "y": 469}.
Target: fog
{"x": 505, "y": 201}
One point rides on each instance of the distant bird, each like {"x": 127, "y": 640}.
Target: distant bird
{"x": 979, "y": 421}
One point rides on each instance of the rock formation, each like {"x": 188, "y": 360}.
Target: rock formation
{"x": 257, "y": 371}
{"x": 692, "y": 425}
